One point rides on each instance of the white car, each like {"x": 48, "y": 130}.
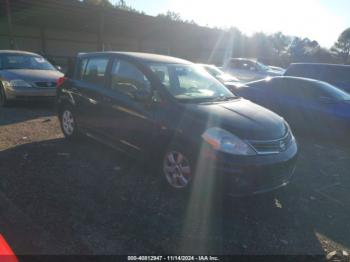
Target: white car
{"x": 226, "y": 79}
{"x": 249, "y": 70}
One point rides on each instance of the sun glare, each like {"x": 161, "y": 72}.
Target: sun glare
{"x": 298, "y": 17}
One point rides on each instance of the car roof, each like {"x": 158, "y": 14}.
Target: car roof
{"x": 140, "y": 57}
{"x": 209, "y": 65}
{"x": 286, "y": 77}
{"x": 17, "y": 52}
{"x": 318, "y": 64}
{"x": 244, "y": 59}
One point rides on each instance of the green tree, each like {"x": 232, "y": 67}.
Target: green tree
{"x": 124, "y": 6}
{"x": 342, "y": 46}
{"x": 173, "y": 16}
{"x": 280, "y": 42}
{"x": 103, "y": 3}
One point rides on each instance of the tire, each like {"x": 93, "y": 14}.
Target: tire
{"x": 68, "y": 123}
{"x": 3, "y": 99}
{"x": 177, "y": 168}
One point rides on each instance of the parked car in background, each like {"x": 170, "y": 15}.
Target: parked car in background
{"x": 220, "y": 75}
{"x": 248, "y": 69}
{"x": 337, "y": 75}
{"x": 277, "y": 68}
{"x": 194, "y": 128}
{"x": 25, "y": 75}
{"x": 307, "y": 104}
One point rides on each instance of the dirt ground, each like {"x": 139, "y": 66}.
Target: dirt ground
{"x": 59, "y": 197}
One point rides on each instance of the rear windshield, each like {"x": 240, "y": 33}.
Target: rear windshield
{"x": 326, "y": 73}
{"x": 303, "y": 71}
{"x": 338, "y": 74}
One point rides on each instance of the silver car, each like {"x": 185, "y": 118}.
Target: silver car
{"x": 249, "y": 70}
{"x": 25, "y": 75}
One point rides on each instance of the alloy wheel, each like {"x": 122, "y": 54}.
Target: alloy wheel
{"x": 68, "y": 122}
{"x": 177, "y": 170}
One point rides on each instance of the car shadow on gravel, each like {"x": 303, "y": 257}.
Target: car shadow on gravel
{"x": 21, "y": 111}
{"x": 84, "y": 198}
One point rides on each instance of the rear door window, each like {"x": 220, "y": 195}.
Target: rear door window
{"x": 81, "y": 68}
{"x": 94, "y": 71}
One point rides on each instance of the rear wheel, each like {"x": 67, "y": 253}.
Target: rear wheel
{"x": 68, "y": 122}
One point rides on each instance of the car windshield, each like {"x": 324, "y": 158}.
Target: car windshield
{"x": 20, "y": 61}
{"x": 190, "y": 83}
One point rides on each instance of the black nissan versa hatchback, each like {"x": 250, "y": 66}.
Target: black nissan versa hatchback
{"x": 173, "y": 112}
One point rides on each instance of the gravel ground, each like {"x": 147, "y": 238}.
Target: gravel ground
{"x": 59, "y": 197}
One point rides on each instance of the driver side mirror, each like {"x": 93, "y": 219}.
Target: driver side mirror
{"x": 59, "y": 68}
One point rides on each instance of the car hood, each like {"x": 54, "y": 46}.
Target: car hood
{"x": 31, "y": 75}
{"x": 241, "y": 117}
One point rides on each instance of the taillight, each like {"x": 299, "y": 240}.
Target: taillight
{"x": 6, "y": 253}
{"x": 60, "y": 81}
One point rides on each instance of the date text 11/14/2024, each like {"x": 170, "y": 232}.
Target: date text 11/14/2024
{"x": 173, "y": 258}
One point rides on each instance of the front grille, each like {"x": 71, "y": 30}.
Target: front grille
{"x": 45, "y": 84}
{"x": 272, "y": 146}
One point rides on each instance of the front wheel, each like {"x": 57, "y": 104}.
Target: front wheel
{"x": 68, "y": 123}
{"x": 177, "y": 169}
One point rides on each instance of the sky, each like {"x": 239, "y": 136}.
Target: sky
{"x": 320, "y": 20}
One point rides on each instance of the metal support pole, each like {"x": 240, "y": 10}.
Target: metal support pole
{"x": 101, "y": 31}
{"x": 43, "y": 39}
{"x": 9, "y": 20}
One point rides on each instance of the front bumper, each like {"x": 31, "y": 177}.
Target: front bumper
{"x": 249, "y": 175}
{"x": 25, "y": 93}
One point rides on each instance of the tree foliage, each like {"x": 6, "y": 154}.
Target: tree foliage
{"x": 173, "y": 16}
{"x": 102, "y": 3}
{"x": 342, "y": 46}
{"x": 121, "y": 4}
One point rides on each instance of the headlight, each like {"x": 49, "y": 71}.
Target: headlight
{"x": 224, "y": 141}
{"x": 289, "y": 129}
{"x": 16, "y": 83}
